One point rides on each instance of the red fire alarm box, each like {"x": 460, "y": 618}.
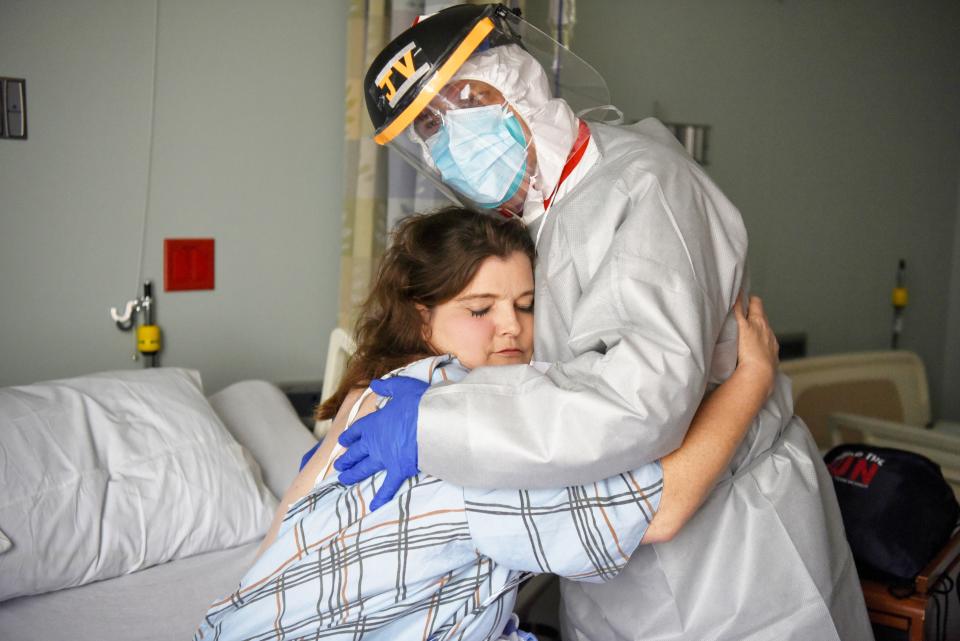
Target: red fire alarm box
{"x": 187, "y": 264}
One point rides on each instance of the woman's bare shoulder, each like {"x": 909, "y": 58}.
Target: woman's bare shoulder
{"x": 340, "y": 421}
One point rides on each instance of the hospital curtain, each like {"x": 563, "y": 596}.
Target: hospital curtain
{"x": 364, "y": 199}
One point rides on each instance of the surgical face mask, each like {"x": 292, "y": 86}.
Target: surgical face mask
{"x": 480, "y": 152}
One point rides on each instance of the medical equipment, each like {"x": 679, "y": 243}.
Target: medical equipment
{"x": 148, "y": 334}
{"x": 899, "y": 299}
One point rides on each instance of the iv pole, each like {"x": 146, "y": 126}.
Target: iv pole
{"x": 148, "y": 334}
{"x": 899, "y": 299}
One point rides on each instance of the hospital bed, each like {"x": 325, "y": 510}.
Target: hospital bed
{"x": 255, "y": 428}
{"x": 340, "y": 348}
{"x": 888, "y": 385}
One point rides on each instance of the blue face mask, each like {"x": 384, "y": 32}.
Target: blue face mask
{"x": 480, "y": 152}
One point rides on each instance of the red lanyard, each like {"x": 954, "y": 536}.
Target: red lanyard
{"x": 579, "y": 148}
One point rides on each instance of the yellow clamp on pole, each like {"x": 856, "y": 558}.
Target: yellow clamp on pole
{"x": 900, "y": 297}
{"x": 148, "y": 339}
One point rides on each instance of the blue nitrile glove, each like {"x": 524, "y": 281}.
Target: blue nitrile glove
{"x": 306, "y": 457}
{"x": 385, "y": 439}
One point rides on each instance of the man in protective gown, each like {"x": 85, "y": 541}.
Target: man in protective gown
{"x": 640, "y": 260}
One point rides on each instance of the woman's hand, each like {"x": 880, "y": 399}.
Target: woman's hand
{"x": 718, "y": 428}
{"x": 757, "y": 351}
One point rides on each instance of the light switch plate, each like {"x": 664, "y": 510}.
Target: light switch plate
{"x": 13, "y": 108}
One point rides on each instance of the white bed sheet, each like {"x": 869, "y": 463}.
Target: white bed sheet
{"x": 165, "y": 602}
{"x": 161, "y": 603}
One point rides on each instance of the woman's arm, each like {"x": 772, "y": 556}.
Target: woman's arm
{"x": 305, "y": 481}
{"x": 722, "y": 420}
{"x": 588, "y": 532}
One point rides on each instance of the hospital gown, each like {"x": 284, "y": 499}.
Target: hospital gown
{"x": 640, "y": 259}
{"x": 437, "y": 562}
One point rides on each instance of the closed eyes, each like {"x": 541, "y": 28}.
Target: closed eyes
{"x": 477, "y": 313}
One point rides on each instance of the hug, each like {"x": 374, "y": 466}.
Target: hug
{"x": 565, "y": 376}
{"x": 553, "y": 405}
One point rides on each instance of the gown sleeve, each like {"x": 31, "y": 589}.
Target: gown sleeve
{"x": 642, "y": 334}
{"x": 583, "y": 532}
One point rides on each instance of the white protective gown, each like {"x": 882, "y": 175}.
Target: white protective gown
{"x": 639, "y": 266}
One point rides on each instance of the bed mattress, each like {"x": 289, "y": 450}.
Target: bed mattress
{"x": 161, "y": 603}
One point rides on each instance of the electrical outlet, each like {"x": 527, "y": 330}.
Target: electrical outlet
{"x": 13, "y": 108}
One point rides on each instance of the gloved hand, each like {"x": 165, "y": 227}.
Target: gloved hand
{"x": 385, "y": 439}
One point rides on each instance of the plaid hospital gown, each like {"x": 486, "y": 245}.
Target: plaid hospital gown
{"x": 438, "y": 562}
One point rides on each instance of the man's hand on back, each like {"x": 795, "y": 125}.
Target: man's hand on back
{"x": 385, "y": 439}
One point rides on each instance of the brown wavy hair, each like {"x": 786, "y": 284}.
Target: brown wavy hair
{"x": 432, "y": 258}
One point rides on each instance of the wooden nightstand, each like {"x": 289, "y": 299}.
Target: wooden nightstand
{"x": 914, "y": 618}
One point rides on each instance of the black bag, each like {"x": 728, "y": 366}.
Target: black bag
{"x": 897, "y": 508}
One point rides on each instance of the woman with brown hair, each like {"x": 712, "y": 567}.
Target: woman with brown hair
{"x": 455, "y": 292}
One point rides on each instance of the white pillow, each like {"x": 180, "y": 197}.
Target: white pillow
{"x": 106, "y": 474}
{"x": 264, "y": 422}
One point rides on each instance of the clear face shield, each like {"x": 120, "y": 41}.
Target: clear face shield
{"x": 496, "y": 119}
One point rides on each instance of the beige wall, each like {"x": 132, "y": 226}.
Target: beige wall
{"x": 247, "y": 147}
{"x": 950, "y": 404}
